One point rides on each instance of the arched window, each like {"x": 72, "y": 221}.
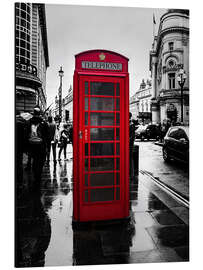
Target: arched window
{"x": 171, "y": 80}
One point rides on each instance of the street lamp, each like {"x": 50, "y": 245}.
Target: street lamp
{"x": 181, "y": 80}
{"x": 61, "y": 73}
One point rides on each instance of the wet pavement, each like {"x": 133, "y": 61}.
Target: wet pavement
{"x": 175, "y": 174}
{"x": 157, "y": 230}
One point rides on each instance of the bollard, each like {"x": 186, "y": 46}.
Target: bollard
{"x": 134, "y": 160}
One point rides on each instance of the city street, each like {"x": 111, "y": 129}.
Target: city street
{"x": 157, "y": 230}
{"x": 174, "y": 174}
{"x": 108, "y": 82}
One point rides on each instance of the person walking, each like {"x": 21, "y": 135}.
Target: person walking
{"x": 71, "y": 134}
{"x": 52, "y": 140}
{"x": 20, "y": 148}
{"x": 37, "y": 138}
{"x": 132, "y": 128}
{"x": 63, "y": 141}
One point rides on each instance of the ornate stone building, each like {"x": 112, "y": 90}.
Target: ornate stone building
{"x": 67, "y": 113}
{"x": 169, "y": 54}
{"x": 31, "y": 51}
{"x": 134, "y": 106}
{"x": 140, "y": 103}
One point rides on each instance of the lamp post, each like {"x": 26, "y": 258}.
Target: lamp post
{"x": 61, "y": 73}
{"x": 181, "y": 80}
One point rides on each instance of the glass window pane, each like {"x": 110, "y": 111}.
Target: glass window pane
{"x": 86, "y": 118}
{"x": 86, "y": 164}
{"x": 86, "y": 88}
{"x": 23, "y": 6}
{"x": 118, "y": 104}
{"x": 118, "y": 149}
{"x": 102, "y": 149}
{"x": 23, "y": 14}
{"x": 102, "y": 104}
{"x": 102, "y": 119}
{"x": 86, "y": 104}
{"x": 101, "y": 134}
{"x": 86, "y": 179}
{"x": 23, "y": 35}
{"x": 117, "y": 193}
{"x": 101, "y": 179}
{"x": 102, "y": 194}
{"x": 118, "y": 164}
{"x": 86, "y": 149}
{"x": 86, "y": 195}
{"x": 102, "y": 88}
{"x": 117, "y": 178}
{"x": 117, "y": 133}
{"x": 118, "y": 89}
{"x": 101, "y": 164}
{"x": 118, "y": 119}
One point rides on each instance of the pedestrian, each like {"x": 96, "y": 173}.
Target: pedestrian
{"x": 70, "y": 134}
{"x": 52, "y": 140}
{"x": 20, "y": 148}
{"x": 132, "y": 128}
{"x": 37, "y": 132}
{"x": 63, "y": 141}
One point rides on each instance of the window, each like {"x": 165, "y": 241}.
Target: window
{"x": 171, "y": 80}
{"x": 23, "y": 11}
{"x": 171, "y": 46}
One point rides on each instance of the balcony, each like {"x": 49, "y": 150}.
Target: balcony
{"x": 26, "y": 76}
{"x": 172, "y": 93}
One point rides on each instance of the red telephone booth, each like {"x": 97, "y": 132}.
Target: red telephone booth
{"x": 100, "y": 136}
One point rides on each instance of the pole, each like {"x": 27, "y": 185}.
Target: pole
{"x": 60, "y": 94}
{"x": 181, "y": 102}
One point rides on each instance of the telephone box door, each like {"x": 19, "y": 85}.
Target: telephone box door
{"x": 102, "y": 148}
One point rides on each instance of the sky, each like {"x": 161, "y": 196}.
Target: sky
{"x": 73, "y": 29}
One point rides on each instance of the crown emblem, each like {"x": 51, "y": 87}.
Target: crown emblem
{"x": 102, "y": 56}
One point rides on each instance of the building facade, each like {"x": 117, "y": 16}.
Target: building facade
{"x": 140, "y": 103}
{"x": 31, "y": 52}
{"x": 134, "y": 106}
{"x": 67, "y": 106}
{"x": 169, "y": 55}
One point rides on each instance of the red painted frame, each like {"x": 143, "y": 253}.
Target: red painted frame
{"x": 100, "y": 210}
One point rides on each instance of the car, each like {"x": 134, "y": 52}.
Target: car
{"x": 176, "y": 144}
{"x": 150, "y": 131}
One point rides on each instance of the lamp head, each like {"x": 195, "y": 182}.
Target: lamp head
{"x": 61, "y": 72}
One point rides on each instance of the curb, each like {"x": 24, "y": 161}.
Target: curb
{"x": 158, "y": 143}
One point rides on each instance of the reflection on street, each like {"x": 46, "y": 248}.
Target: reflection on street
{"x": 45, "y": 235}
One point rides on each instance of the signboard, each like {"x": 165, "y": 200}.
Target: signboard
{"x": 101, "y": 65}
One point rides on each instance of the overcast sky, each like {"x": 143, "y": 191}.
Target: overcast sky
{"x": 73, "y": 29}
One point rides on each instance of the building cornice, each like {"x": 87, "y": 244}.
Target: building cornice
{"x": 147, "y": 96}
